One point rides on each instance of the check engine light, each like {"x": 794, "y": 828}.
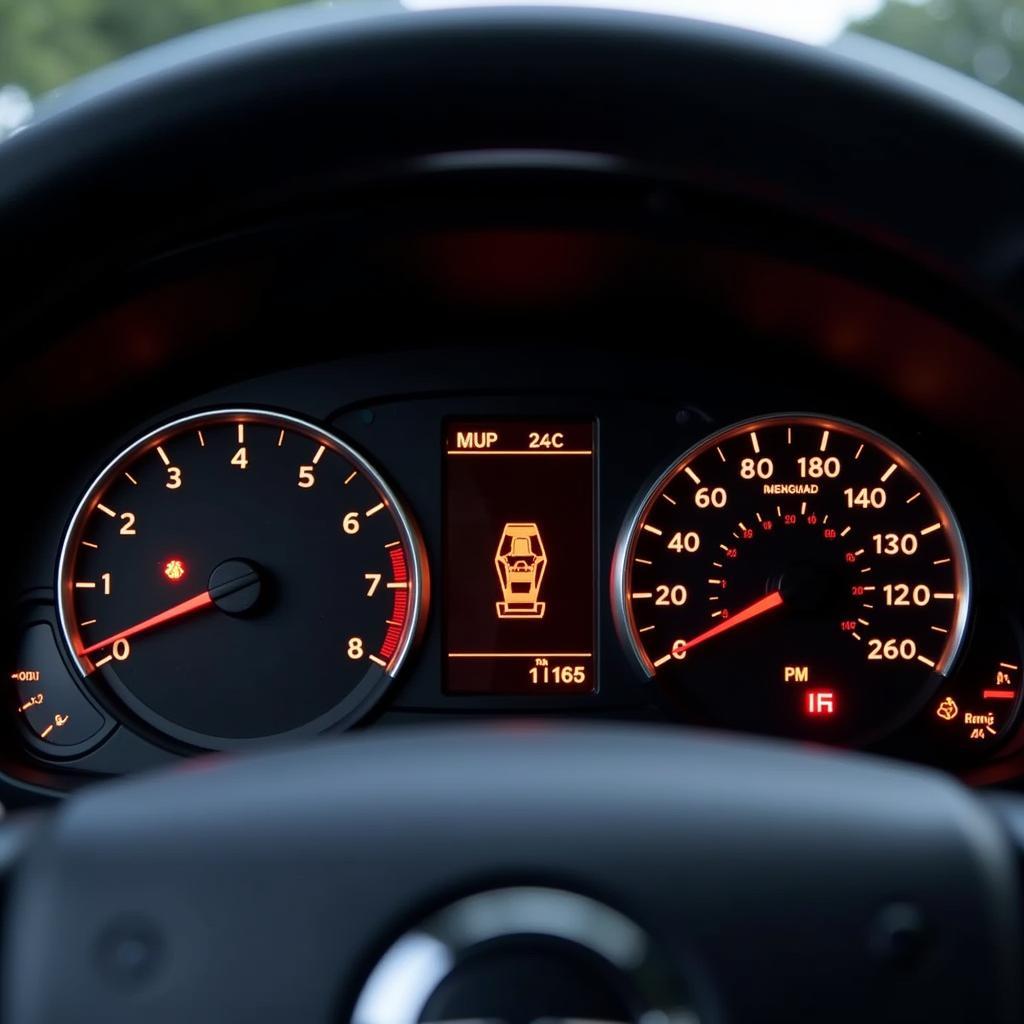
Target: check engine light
{"x": 174, "y": 569}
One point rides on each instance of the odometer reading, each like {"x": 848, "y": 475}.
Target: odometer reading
{"x": 240, "y": 574}
{"x": 795, "y": 575}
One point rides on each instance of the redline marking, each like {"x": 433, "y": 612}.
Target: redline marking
{"x": 999, "y": 694}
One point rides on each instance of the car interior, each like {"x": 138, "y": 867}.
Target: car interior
{"x": 511, "y": 523}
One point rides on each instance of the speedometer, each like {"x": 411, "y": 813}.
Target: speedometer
{"x": 795, "y": 575}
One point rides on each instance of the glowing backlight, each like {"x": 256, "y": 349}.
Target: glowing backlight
{"x": 519, "y": 557}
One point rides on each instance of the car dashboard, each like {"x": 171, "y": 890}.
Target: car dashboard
{"x": 364, "y": 470}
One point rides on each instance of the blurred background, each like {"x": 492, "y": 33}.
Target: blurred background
{"x": 46, "y": 43}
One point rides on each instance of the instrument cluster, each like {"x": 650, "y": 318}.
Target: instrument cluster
{"x": 242, "y": 571}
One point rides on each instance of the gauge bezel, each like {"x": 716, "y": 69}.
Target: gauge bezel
{"x": 360, "y": 700}
{"x": 625, "y": 544}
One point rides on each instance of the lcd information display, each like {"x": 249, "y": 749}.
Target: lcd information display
{"x": 519, "y": 557}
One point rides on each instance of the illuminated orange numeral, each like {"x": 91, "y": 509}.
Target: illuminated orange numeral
{"x": 816, "y": 467}
{"x": 710, "y": 497}
{"x": 761, "y": 468}
{"x": 902, "y": 595}
{"x": 121, "y": 649}
{"x": 240, "y": 458}
{"x": 355, "y": 648}
{"x": 350, "y": 524}
{"x": 894, "y": 543}
{"x": 688, "y": 542}
{"x": 670, "y": 595}
{"x": 128, "y": 527}
{"x": 374, "y": 579}
{"x": 306, "y": 477}
{"x": 173, "y": 478}
{"x": 892, "y": 650}
{"x": 107, "y": 582}
{"x": 865, "y": 498}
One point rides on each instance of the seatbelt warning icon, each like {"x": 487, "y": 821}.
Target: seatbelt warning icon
{"x": 520, "y": 562}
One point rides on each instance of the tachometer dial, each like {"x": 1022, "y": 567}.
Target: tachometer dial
{"x": 241, "y": 574}
{"x": 795, "y": 575}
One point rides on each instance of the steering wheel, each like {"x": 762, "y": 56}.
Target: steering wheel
{"x": 518, "y": 872}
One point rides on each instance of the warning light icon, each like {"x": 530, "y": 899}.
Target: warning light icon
{"x": 174, "y": 570}
{"x": 947, "y": 709}
{"x": 520, "y": 562}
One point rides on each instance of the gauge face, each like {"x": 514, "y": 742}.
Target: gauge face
{"x": 795, "y": 575}
{"x": 240, "y": 574}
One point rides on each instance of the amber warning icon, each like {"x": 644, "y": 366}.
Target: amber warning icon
{"x": 520, "y": 562}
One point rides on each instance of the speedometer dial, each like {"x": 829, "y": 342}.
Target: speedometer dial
{"x": 795, "y": 575}
{"x": 241, "y": 574}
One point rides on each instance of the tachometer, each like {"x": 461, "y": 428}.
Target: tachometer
{"x": 240, "y": 574}
{"x": 795, "y": 575}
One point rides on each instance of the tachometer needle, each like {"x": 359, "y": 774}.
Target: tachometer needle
{"x": 759, "y": 607}
{"x": 193, "y": 604}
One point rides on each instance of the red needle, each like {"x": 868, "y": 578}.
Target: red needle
{"x": 765, "y": 604}
{"x": 186, "y": 607}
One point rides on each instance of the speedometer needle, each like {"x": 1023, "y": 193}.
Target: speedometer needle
{"x": 169, "y": 615}
{"x": 765, "y": 604}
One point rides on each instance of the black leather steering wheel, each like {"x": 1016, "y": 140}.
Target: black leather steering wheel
{"x": 425, "y": 875}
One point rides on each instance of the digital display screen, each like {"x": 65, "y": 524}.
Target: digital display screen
{"x": 519, "y": 557}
